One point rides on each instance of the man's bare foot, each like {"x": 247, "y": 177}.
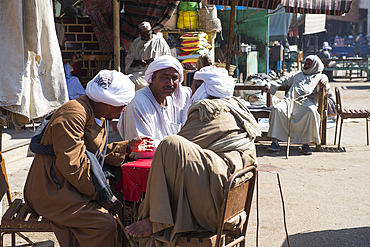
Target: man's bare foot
{"x": 140, "y": 229}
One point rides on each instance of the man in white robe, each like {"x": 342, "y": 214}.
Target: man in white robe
{"x": 190, "y": 170}
{"x": 160, "y": 109}
{"x": 302, "y": 98}
{"x": 142, "y": 52}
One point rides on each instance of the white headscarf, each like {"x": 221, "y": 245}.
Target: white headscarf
{"x": 217, "y": 83}
{"x": 317, "y": 65}
{"x": 164, "y": 62}
{"x": 111, "y": 87}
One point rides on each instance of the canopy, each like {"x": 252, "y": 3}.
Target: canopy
{"x": 328, "y": 7}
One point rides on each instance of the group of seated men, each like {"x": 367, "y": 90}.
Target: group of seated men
{"x": 197, "y": 137}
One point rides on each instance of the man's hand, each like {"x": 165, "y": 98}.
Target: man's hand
{"x": 141, "y": 144}
{"x": 265, "y": 89}
{"x": 322, "y": 83}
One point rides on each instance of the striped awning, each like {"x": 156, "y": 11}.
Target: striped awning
{"x": 328, "y": 7}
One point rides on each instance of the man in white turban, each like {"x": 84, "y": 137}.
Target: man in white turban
{"x": 64, "y": 183}
{"x": 142, "y": 52}
{"x": 302, "y": 98}
{"x": 189, "y": 170}
{"x": 158, "y": 110}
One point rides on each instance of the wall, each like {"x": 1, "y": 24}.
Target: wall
{"x": 79, "y": 34}
{"x": 254, "y": 29}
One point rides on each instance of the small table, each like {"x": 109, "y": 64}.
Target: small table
{"x": 134, "y": 178}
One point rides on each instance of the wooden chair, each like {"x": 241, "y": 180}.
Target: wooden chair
{"x": 95, "y": 63}
{"x": 348, "y": 113}
{"x": 19, "y": 217}
{"x": 237, "y": 198}
{"x": 265, "y": 113}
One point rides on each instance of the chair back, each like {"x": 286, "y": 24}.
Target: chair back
{"x": 338, "y": 103}
{"x": 4, "y": 184}
{"x": 95, "y": 63}
{"x": 238, "y": 196}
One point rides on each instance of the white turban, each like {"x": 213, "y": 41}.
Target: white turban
{"x": 317, "y": 65}
{"x": 217, "y": 83}
{"x": 111, "y": 87}
{"x": 164, "y": 62}
{"x": 145, "y": 26}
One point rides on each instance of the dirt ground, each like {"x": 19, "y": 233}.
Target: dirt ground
{"x": 326, "y": 195}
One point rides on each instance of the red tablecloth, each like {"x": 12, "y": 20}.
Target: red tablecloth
{"x": 134, "y": 178}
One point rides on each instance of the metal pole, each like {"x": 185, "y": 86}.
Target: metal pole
{"x": 230, "y": 36}
{"x": 116, "y": 36}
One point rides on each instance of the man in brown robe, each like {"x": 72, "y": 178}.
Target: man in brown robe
{"x": 189, "y": 170}
{"x": 60, "y": 186}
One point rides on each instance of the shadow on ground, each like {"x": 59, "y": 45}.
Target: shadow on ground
{"x": 358, "y": 237}
{"x": 294, "y": 150}
{"x": 356, "y": 87}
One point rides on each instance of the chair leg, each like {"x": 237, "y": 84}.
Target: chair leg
{"x": 340, "y": 132}
{"x": 336, "y": 128}
{"x": 13, "y": 239}
{"x": 367, "y": 131}
{"x": 2, "y": 239}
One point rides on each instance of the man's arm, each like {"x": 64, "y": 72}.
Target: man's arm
{"x": 69, "y": 148}
{"x": 273, "y": 86}
{"x": 117, "y": 151}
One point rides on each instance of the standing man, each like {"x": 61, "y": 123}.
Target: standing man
{"x": 160, "y": 109}
{"x": 325, "y": 54}
{"x": 60, "y": 185}
{"x": 142, "y": 52}
{"x": 302, "y": 98}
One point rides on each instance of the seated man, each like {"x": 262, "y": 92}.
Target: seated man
{"x": 220, "y": 54}
{"x": 142, "y": 52}
{"x": 60, "y": 185}
{"x": 74, "y": 86}
{"x": 189, "y": 170}
{"x": 158, "y": 110}
{"x": 203, "y": 61}
{"x": 302, "y": 98}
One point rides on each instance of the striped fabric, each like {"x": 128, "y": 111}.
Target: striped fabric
{"x": 156, "y": 12}
{"x": 263, "y": 4}
{"x": 329, "y": 7}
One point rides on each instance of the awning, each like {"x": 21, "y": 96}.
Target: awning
{"x": 314, "y": 24}
{"x": 328, "y": 7}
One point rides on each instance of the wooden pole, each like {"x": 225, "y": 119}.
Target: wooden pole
{"x": 230, "y": 36}
{"x": 116, "y": 36}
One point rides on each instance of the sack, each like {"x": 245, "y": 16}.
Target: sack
{"x": 208, "y": 19}
{"x": 188, "y": 20}
{"x": 188, "y": 6}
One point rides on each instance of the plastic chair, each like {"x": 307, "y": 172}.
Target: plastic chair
{"x": 237, "y": 198}
{"x": 348, "y": 113}
{"x": 290, "y": 58}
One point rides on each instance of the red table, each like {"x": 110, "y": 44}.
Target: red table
{"x": 134, "y": 178}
